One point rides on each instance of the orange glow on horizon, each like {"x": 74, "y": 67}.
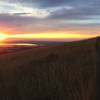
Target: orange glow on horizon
{"x": 47, "y": 36}
{"x": 3, "y": 36}
{"x": 52, "y": 36}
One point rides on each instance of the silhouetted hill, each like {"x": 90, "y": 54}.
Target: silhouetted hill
{"x": 57, "y": 72}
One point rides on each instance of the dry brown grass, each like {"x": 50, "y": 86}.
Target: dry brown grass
{"x": 65, "y": 72}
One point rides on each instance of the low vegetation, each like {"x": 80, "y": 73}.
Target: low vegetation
{"x": 64, "y": 72}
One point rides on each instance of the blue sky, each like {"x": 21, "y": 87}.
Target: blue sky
{"x": 50, "y": 16}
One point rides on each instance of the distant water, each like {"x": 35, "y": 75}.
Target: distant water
{"x": 18, "y": 44}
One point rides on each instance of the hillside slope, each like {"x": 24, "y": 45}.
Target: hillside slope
{"x": 64, "y": 72}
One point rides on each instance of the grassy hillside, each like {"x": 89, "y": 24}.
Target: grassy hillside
{"x": 64, "y": 72}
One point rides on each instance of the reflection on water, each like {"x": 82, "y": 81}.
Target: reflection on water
{"x": 16, "y": 44}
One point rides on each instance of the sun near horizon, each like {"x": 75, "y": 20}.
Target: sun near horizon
{"x": 3, "y": 36}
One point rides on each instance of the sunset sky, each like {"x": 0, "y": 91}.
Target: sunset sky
{"x": 49, "y": 19}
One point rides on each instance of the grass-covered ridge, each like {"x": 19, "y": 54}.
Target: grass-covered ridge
{"x": 64, "y": 72}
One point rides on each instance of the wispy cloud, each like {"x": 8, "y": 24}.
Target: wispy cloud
{"x": 39, "y": 16}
